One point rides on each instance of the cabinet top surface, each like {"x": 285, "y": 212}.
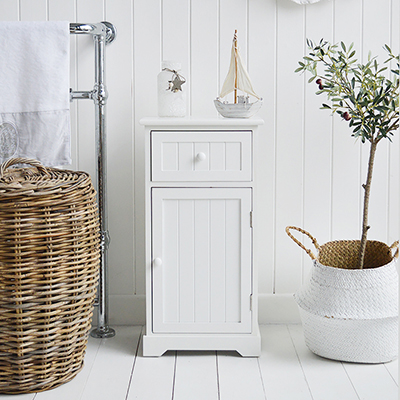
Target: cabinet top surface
{"x": 191, "y": 121}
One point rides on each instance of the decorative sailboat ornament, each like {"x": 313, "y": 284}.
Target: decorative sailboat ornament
{"x": 237, "y": 79}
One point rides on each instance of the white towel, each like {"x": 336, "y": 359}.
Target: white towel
{"x": 34, "y": 91}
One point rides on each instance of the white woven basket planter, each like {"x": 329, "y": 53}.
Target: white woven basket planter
{"x": 351, "y": 314}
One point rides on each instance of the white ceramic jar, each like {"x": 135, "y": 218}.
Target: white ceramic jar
{"x": 171, "y": 94}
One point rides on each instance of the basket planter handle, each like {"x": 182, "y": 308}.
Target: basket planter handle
{"x": 395, "y": 246}
{"x": 314, "y": 241}
{"x": 22, "y": 160}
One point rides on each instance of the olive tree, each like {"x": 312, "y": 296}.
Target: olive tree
{"x": 364, "y": 95}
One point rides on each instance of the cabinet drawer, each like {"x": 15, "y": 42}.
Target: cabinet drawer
{"x": 201, "y": 156}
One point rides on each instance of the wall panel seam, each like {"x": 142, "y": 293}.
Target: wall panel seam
{"x": 274, "y": 197}
{"x": 332, "y": 139}
{"x": 133, "y": 148}
{"x": 248, "y": 34}
{"x": 161, "y": 30}
{"x": 303, "y": 133}
{"x": 218, "y": 45}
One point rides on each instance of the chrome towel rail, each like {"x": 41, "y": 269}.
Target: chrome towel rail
{"x": 100, "y": 28}
{"x": 103, "y": 33}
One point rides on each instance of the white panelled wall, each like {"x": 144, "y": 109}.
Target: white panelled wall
{"x": 309, "y": 168}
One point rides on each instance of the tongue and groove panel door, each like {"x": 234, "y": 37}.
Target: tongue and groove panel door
{"x": 202, "y": 266}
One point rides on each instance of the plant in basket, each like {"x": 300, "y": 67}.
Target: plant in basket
{"x": 349, "y": 307}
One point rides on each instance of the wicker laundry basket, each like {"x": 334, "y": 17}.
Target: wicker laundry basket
{"x": 350, "y": 314}
{"x": 49, "y": 260}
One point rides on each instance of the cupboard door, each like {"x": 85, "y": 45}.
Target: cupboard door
{"x": 201, "y": 260}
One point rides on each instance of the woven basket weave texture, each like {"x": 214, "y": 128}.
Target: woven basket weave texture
{"x": 356, "y": 294}
{"x": 352, "y": 340}
{"x": 350, "y": 314}
{"x": 344, "y": 254}
{"x": 49, "y": 260}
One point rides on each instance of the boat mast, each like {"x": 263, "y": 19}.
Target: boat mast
{"x": 236, "y": 56}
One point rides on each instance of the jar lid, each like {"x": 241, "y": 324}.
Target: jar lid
{"x": 172, "y": 65}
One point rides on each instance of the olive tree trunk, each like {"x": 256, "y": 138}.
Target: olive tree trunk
{"x": 367, "y": 190}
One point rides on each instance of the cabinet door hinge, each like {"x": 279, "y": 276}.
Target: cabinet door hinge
{"x": 251, "y": 219}
{"x": 251, "y": 302}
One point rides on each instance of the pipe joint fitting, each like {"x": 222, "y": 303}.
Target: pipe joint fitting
{"x": 100, "y": 94}
{"x": 104, "y": 240}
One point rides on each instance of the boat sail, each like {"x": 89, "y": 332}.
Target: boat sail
{"x": 237, "y": 79}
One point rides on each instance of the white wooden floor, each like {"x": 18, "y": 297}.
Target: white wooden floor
{"x": 287, "y": 370}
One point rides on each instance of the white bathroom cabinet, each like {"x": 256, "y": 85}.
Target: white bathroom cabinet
{"x": 201, "y": 281}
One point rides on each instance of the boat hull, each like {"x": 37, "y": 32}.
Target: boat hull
{"x": 237, "y": 110}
